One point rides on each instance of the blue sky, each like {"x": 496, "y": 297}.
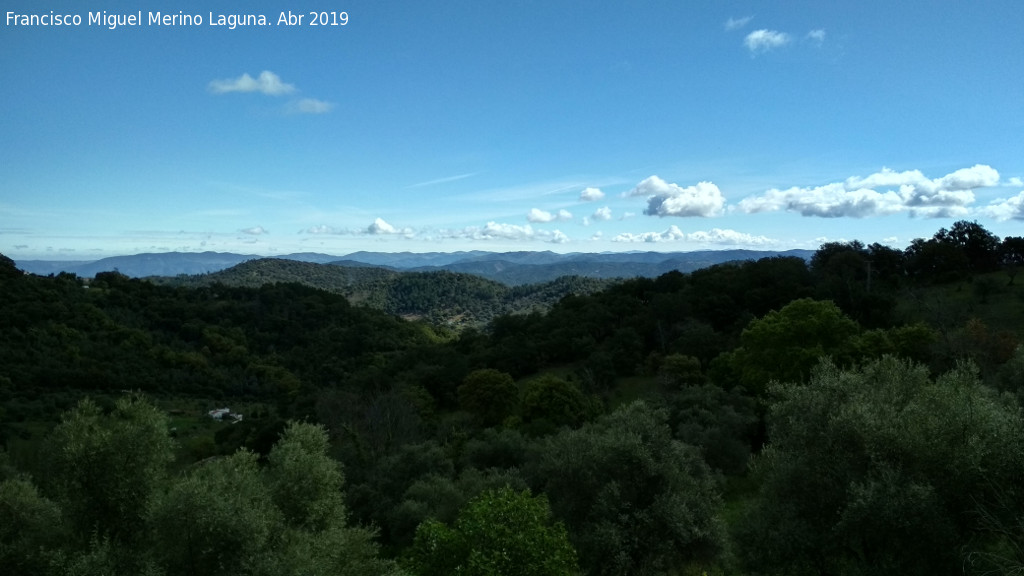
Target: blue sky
{"x": 515, "y": 125}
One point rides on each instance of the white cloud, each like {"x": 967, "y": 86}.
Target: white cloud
{"x": 713, "y": 236}
{"x": 311, "y": 106}
{"x": 267, "y": 83}
{"x": 255, "y": 231}
{"x": 586, "y": 221}
{"x": 1006, "y": 209}
{"x": 323, "y": 229}
{"x": 828, "y": 201}
{"x": 1015, "y": 181}
{"x": 882, "y": 193}
{"x": 602, "y": 214}
{"x": 673, "y": 233}
{"x": 977, "y": 176}
{"x": 381, "y": 227}
{"x": 730, "y": 237}
{"x": 537, "y": 215}
{"x": 496, "y": 231}
{"x": 667, "y": 199}
{"x": 591, "y": 195}
{"x": 507, "y": 231}
{"x": 817, "y": 35}
{"x": 737, "y": 23}
{"x": 765, "y": 40}
{"x": 541, "y": 216}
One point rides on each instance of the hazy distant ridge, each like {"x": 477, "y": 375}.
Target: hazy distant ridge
{"x": 511, "y": 268}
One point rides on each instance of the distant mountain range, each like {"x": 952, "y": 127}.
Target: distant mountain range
{"x": 510, "y": 268}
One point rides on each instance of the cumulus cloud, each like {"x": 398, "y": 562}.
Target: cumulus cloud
{"x": 541, "y": 216}
{"x": 591, "y": 195}
{"x": 828, "y": 201}
{"x": 505, "y": 231}
{"x": 673, "y": 233}
{"x": 267, "y": 83}
{"x": 602, "y": 214}
{"x": 668, "y": 199}
{"x": 494, "y": 231}
{"x": 763, "y": 40}
{"x": 1015, "y": 181}
{"x": 537, "y": 215}
{"x": 381, "y": 227}
{"x": 255, "y": 231}
{"x": 311, "y": 106}
{"x": 730, "y": 237}
{"x": 737, "y": 23}
{"x": 1006, "y": 209}
{"x": 557, "y": 237}
{"x": 817, "y": 35}
{"x": 882, "y": 193}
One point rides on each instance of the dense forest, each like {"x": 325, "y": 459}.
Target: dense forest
{"x": 858, "y": 413}
{"x": 442, "y": 298}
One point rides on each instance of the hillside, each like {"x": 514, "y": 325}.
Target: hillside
{"x": 440, "y": 297}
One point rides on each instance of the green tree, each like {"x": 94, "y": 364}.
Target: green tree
{"x": 489, "y": 394}
{"x": 979, "y": 246}
{"x": 678, "y": 370}
{"x": 31, "y": 529}
{"x": 879, "y": 470}
{"x": 218, "y": 519}
{"x": 306, "y": 485}
{"x": 785, "y": 344}
{"x": 499, "y": 533}
{"x": 635, "y": 500}
{"x": 105, "y": 468}
{"x": 722, "y": 423}
{"x": 550, "y": 402}
{"x": 1011, "y": 255}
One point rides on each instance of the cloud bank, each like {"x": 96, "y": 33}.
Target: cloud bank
{"x": 716, "y": 236}
{"x": 879, "y": 194}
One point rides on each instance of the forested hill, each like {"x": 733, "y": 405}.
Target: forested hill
{"x": 511, "y": 268}
{"x": 440, "y": 297}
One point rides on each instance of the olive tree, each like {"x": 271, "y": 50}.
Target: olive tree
{"x": 635, "y": 500}
{"x": 877, "y": 470}
{"x": 500, "y": 532}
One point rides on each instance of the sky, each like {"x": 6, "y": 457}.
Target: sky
{"x": 455, "y": 125}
